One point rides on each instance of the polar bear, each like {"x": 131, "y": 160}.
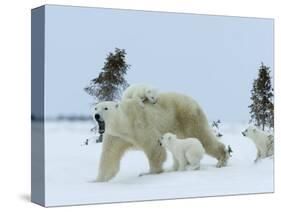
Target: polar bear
{"x": 262, "y": 140}
{"x": 104, "y": 109}
{"x": 128, "y": 125}
{"x": 187, "y": 151}
{"x": 141, "y": 92}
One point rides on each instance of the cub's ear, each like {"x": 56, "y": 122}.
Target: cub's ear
{"x": 170, "y": 138}
{"x": 117, "y": 105}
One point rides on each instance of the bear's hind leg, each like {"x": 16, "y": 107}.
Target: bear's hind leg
{"x": 220, "y": 153}
{"x": 213, "y": 147}
{"x": 194, "y": 163}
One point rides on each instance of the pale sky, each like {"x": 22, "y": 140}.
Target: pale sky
{"x": 214, "y": 59}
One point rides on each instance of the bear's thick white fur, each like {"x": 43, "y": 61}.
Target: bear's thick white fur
{"x": 131, "y": 125}
{"x": 185, "y": 152}
{"x": 141, "y": 93}
{"x": 262, "y": 140}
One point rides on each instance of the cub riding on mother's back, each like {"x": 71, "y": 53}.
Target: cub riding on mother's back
{"x": 141, "y": 93}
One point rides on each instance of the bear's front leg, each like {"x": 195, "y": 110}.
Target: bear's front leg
{"x": 258, "y": 158}
{"x": 112, "y": 151}
{"x": 175, "y": 164}
{"x": 156, "y": 158}
{"x": 182, "y": 163}
{"x": 141, "y": 102}
{"x": 139, "y": 99}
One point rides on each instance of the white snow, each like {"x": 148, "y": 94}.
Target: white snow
{"x": 71, "y": 166}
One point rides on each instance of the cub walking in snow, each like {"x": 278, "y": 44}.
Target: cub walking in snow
{"x": 263, "y": 141}
{"x": 185, "y": 152}
{"x": 141, "y": 93}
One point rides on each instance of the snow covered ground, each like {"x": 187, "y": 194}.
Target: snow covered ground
{"x": 71, "y": 166}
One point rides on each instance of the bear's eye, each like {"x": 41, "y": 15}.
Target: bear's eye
{"x": 105, "y": 108}
{"x": 95, "y": 108}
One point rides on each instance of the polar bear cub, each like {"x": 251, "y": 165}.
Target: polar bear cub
{"x": 141, "y": 92}
{"x": 262, "y": 140}
{"x": 185, "y": 152}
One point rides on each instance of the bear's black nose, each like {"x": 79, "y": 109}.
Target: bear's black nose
{"x": 97, "y": 117}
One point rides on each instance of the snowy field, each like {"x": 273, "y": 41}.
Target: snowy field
{"x": 71, "y": 166}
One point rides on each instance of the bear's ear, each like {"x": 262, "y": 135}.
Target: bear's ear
{"x": 170, "y": 138}
{"x": 254, "y": 130}
{"x": 117, "y": 105}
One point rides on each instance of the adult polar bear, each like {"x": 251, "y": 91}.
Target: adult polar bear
{"x": 130, "y": 125}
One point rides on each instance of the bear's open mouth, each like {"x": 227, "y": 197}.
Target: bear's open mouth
{"x": 101, "y": 127}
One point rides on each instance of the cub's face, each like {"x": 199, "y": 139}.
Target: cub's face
{"x": 167, "y": 139}
{"x": 103, "y": 110}
{"x": 151, "y": 95}
{"x": 249, "y": 132}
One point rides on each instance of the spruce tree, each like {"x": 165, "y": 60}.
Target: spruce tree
{"x": 262, "y": 107}
{"x": 110, "y": 83}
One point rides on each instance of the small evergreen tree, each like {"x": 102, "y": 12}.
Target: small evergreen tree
{"x": 110, "y": 83}
{"x": 262, "y": 107}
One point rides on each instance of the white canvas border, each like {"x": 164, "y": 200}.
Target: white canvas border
{"x": 15, "y": 66}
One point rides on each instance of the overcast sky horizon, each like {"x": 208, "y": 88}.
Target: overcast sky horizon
{"x": 214, "y": 59}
